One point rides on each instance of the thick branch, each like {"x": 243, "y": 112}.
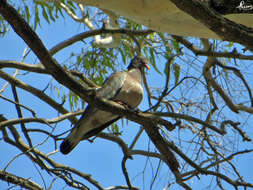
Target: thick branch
{"x": 226, "y": 29}
{"x": 25, "y": 183}
{"x": 167, "y": 155}
{"x": 22, "y": 66}
{"x": 81, "y": 36}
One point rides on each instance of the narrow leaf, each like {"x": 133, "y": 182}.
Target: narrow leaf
{"x": 176, "y": 70}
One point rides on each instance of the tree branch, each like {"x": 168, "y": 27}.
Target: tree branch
{"x": 39, "y": 120}
{"x": 198, "y": 52}
{"x": 226, "y": 29}
{"x": 25, "y": 183}
{"x": 23, "y": 66}
{"x": 36, "y": 92}
{"x": 83, "y": 35}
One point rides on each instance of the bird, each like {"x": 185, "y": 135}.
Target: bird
{"x": 124, "y": 87}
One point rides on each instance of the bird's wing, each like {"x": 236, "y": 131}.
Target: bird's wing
{"x": 110, "y": 88}
{"x": 94, "y": 120}
{"x": 112, "y": 85}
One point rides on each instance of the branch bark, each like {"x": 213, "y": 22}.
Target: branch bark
{"x": 226, "y": 29}
{"x": 25, "y": 183}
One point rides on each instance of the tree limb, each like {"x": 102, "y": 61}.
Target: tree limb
{"x": 25, "y": 183}
{"x": 226, "y": 29}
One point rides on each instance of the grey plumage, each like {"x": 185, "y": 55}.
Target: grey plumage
{"x": 124, "y": 87}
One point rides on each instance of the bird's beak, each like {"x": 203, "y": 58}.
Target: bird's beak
{"x": 147, "y": 67}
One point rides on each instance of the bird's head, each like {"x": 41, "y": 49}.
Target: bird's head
{"x": 138, "y": 62}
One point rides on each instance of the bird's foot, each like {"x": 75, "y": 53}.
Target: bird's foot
{"x": 123, "y": 104}
{"x": 136, "y": 110}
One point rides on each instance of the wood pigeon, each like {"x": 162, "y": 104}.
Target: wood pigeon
{"x": 123, "y": 87}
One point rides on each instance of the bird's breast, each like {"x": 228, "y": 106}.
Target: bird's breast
{"x": 131, "y": 95}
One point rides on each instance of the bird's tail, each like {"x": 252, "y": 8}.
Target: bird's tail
{"x": 70, "y": 142}
{"x": 77, "y": 135}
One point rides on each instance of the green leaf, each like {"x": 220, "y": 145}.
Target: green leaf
{"x": 76, "y": 100}
{"x": 44, "y": 13}
{"x": 115, "y": 129}
{"x": 176, "y": 71}
{"x": 57, "y": 91}
{"x": 167, "y": 69}
{"x": 152, "y": 59}
{"x": 175, "y": 45}
{"x": 27, "y": 13}
{"x": 229, "y": 44}
{"x": 70, "y": 101}
{"x": 79, "y": 59}
{"x": 50, "y": 11}
{"x": 37, "y": 18}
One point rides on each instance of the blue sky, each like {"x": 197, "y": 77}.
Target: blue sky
{"x": 101, "y": 159}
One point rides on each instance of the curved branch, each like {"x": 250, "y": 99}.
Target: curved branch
{"x": 119, "y": 141}
{"x": 81, "y": 36}
{"x": 23, "y": 66}
{"x": 123, "y": 167}
{"x": 39, "y": 120}
{"x": 127, "y": 151}
{"x": 225, "y": 28}
{"x": 16, "y": 103}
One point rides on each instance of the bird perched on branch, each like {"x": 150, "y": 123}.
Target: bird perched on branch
{"x": 123, "y": 87}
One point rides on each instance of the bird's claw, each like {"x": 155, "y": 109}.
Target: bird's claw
{"x": 123, "y": 104}
{"x": 135, "y": 110}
